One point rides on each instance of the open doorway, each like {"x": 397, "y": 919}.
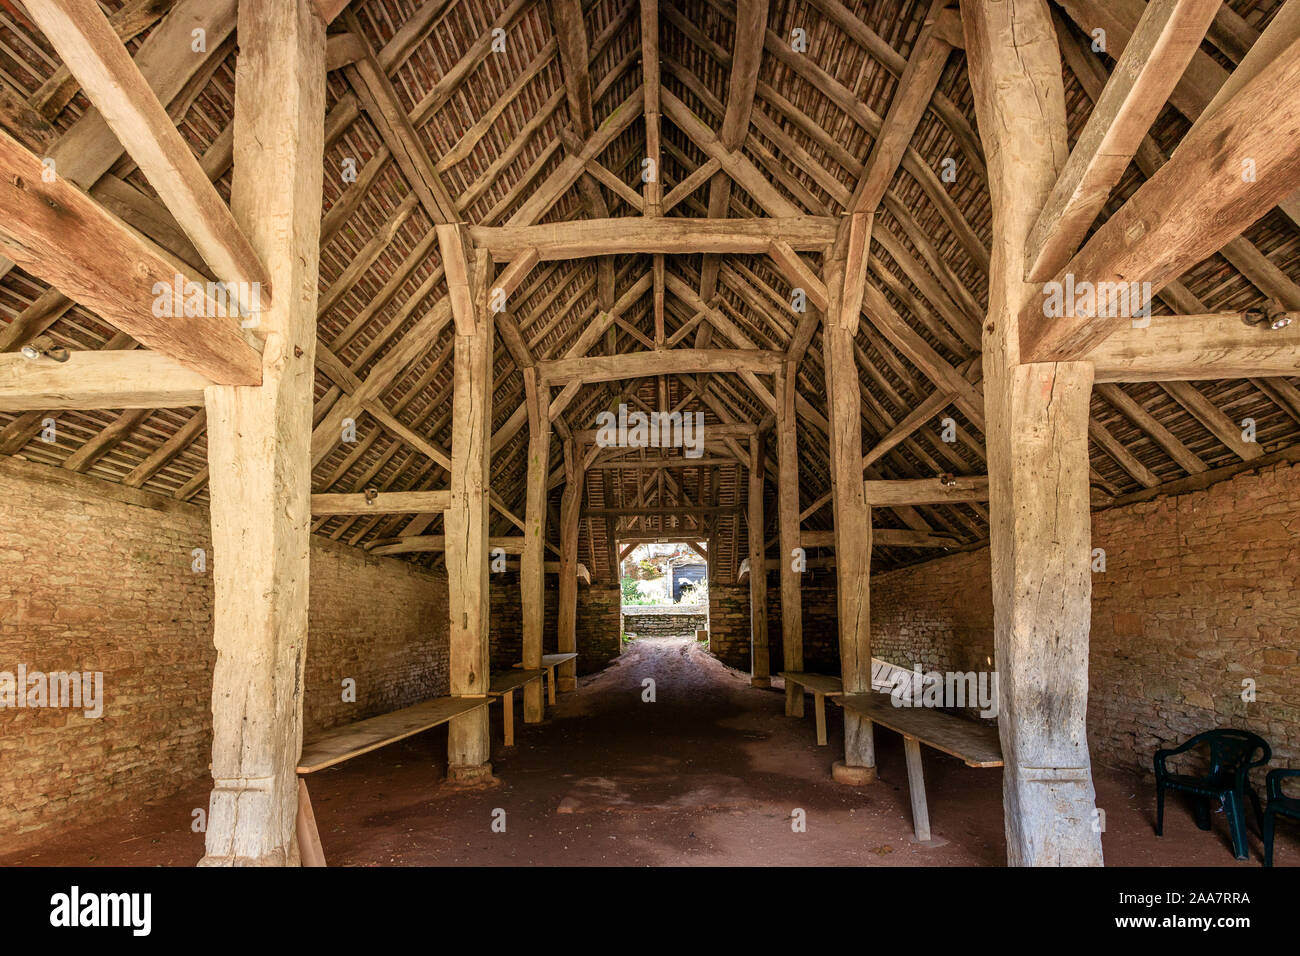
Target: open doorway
{"x": 665, "y": 591}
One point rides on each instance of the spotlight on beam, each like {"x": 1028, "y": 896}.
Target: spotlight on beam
{"x": 44, "y": 347}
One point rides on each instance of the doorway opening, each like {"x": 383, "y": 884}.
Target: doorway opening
{"x": 665, "y": 590}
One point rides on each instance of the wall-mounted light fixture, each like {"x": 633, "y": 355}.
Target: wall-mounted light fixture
{"x": 1271, "y": 317}
{"x": 44, "y": 347}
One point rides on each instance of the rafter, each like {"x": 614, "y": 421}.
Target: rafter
{"x": 1193, "y": 206}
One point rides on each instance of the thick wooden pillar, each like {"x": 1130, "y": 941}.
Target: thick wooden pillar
{"x": 845, "y": 276}
{"x": 466, "y": 519}
{"x": 258, "y": 445}
{"x": 532, "y": 561}
{"x": 787, "y": 507}
{"x": 1040, "y": 536}
{"x": 570, "y": 511}
{"x": 760, "y": 667}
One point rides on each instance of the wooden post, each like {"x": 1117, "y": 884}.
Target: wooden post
{"x": 845, "y": 277}
{"x": 531, "y": 570}
{"x": 1037, "y": 415}
{"x": 760, "y": 666}
{"x": 570, "y": 512}
{"x": 466, "y": 519}
{"x": 787, "y": 507}
{"x": 258, "y": 445}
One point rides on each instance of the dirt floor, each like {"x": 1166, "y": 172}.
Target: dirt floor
{"x": 710, "y": 772}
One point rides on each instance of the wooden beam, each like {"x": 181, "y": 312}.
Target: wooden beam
{"x": 787, "y": 498}
{"x": 926, "y": 491}
{"x": 1037, "y": 437}
{"x": 1214, "y": 346}
{"x": 466, "y": 523}
{"x": 567, "y": 613}
{"x": 652, "y": 92}
{"x": 760, "y": 667}
{"x": 121, "y": 378}
{"x": 381, "y": 103}
{"x": 260, "y": 484}
{"x": 632, "y": 235}
{"x": 1214, "y": 420}
{"x": 1166, "y": 37}
{"x": 384, "y": 502}
{"x": 1190, "y": 208}
{"x": 734, "y": 164}
{"x": 746, "y": 57}
{"x": 456, "y": 245}
{"x": 570, "y": 169}
{"x": 883, "y": 538}
{"x": 531, "y": 579}
{"x": 663, "y": 510}
{"x": 91, "y": 49}
{"x": 915, "y": 89}
{"x": 419, "y": 543}
{"x": 608, "y": 368}
{"x": 1143, "y": 419}
{"x": 56, "y": 232}
{"x": 937, "y": 402}
{"x": 845, "y": 275}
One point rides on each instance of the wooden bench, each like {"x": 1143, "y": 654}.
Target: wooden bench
{"x": 975, "y": 744}
{"x": 821, "y": 686}
{"x": 504, "y": 685}
{"x": 549, "y": 663}
{"x": 352, "y": 740}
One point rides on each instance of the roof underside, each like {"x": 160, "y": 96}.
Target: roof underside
{"x": 493, "y": 123}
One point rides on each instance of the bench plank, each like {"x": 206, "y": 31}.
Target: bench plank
{"x": 551, "y": 660}
{"x": 817, "y": 683}
{"x": 352, "y": 740}
{"x": 506, "y": 681}
{"x": 976, "y": 745}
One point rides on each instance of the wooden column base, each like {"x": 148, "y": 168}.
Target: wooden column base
{"x": 477, "y": 774}
{"x": 760, "y": 682}
{"x": 852, "y": 776}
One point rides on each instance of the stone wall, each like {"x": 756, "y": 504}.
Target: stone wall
{"x": 1201, "y": 592}
{"x": 650, "y": 621}
{"x": 95, "y": 577}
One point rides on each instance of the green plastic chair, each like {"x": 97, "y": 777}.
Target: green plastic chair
{"x": 1232, "y": 755}
{"x": 1279, "y": 805}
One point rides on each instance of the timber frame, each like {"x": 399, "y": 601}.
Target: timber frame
{"x": 498, "y": 220}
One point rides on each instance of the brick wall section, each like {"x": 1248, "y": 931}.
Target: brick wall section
{"x": 99, "y": 579}
{"x": 1200, "y": 592}
{"x": 599, "y": 626}
{"x": 729, "y": 625}
{"x": 597, "y": 623}
{"x": 383, "y": 623}
{"x": 821, "y": 639}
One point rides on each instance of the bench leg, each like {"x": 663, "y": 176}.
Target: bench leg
{"x": 793, "y": 699}
{"x": 916, "y": 787}
{"x": 508, "y": 716}
{"x": 550, "y": 685}
{"x": 310, "y": 852}
{"x": 819, "y": 704}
